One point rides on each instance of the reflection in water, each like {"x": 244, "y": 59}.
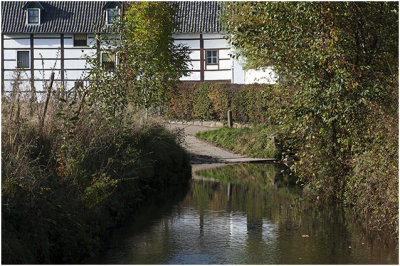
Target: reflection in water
{"x": 248, "y": 217}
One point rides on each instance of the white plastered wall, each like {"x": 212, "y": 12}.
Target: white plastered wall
{"x": 211, "y": 41}
{"x": 250, "y": 76}
{"x": 46, "y": 58}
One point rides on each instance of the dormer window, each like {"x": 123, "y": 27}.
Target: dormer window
{"x": 33, "y": 16}
{"x": 112, "y": 14}
{"x": 112, "y": 10}
{"x": 33, "y": 11}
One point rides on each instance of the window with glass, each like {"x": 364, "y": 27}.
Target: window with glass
{"x": 33, "y": 15}
{"x": 80, "y": 40}
{"x": 108, "y": 61}
{"x": 23, "y": 59}
{"x": 212, "y": 57}
{"x": 112, "y": 14}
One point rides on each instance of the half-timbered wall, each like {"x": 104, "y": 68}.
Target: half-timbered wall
{"x": 198, "y": 45}
{"x": 56, "y": 52}
{"x": 47, "y": 53}
{"x": 227, "y": 69}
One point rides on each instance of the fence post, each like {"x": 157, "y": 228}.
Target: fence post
{"x": 230, "y": 122}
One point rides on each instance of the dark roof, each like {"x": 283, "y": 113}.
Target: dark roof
{"x": 57, "y": 17}
{"x": 112, "y": 5}
{"x": 88, "y": 16}
{"x": 33, "y": 4}
{"x": 196, "y": 17}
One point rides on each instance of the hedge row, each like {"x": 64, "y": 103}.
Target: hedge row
{"x": 211, "y": 101}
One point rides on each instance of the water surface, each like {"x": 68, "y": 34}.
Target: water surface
{"x": 247, "y": 214}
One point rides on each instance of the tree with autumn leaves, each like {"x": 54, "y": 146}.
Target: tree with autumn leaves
{"x": 338, "y": 68}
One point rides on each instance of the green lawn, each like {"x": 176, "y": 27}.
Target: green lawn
{"x": 253, "y": 142}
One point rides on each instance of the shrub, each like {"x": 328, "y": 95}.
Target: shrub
{"x": 240, "y": 105}
{"x": 202, "y": 105}
{"x": 181, "y": 101}
{"x": 372, "y": 186}
{"x": 64, "y": 185}
{"x": 211, "y": 101}
{"x": 219, "y": 98}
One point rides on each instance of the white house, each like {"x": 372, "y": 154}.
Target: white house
{"x": 38, "y": 38}
{"x": 201, "y": 30}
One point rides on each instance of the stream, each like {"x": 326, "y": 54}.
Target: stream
{"x": 243, "y": 214}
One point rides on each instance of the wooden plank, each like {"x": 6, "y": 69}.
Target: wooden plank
{"x": 40, "y": 79}
{"x": 201, "y": 58}
{"x": 50, "y": 69}
{"x": 16, "y": 38}
{"x": 98, "y": 49}
{"x": 211, "y": 70}
{"x": 2, "y": 63}
{"x": 32, "y": 79}
{"x": 216, "y": 80}
{"x": 62, "y": 58}
{"x": 53, "y": 58}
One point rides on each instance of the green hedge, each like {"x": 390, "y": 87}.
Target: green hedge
{"x": 212, "y": 100}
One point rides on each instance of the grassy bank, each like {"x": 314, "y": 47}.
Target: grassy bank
{"x": 67, "y": 181}
{"x": 370, "y": 187}
{"x": 253, "y": 142}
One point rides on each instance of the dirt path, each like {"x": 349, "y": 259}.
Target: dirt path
{"x": 204, "y": 155}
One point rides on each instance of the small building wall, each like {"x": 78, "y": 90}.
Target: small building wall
{"x": 48, "y": 53}
{"x": 264, "y": 76}
{"x": 198, "y": 45}
{"x": 56, "y": 52}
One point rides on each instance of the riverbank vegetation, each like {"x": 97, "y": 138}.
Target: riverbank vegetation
{"x": 338, "y": 69}
{"x": 77, "y": 162}
{"x": 64, "y": 187}
{"x": 257, "y": 192}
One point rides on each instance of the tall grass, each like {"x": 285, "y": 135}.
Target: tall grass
{"x": 70, "y": 172}
{"x": 253, "y": 142}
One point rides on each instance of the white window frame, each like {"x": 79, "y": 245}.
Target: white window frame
{"x": 114, "y": 10}
{"x": 73, "y": 40}
{"x": 29, "y": 59}
{"x": 27, "y": 16}
{"x": 217, "y": 57}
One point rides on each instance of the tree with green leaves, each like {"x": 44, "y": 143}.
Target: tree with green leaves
{"x": 148, "y": 62}
{"x": 338, "y": 66}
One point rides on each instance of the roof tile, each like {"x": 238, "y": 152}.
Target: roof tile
{"x": 88, "y": 16}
